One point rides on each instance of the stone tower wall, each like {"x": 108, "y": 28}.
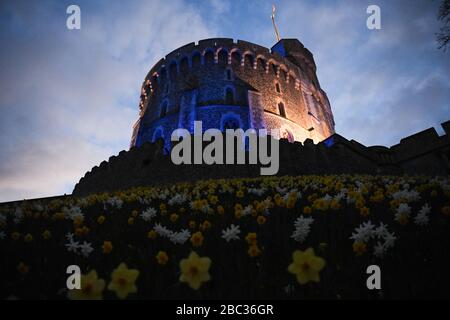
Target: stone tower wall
{"x": 191, "y": 83}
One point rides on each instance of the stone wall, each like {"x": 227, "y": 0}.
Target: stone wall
{"x": 423, "y": 153}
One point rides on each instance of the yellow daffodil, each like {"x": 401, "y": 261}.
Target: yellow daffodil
{"x": 192, "y": 224}
{"x": 195, "y": 270}
{"x": 46, "y": 234}
{"x": 359, "y": 248}
{"x": 162, "y": 258}
{"x": 79, "y": 232}
{"x": 152, "y": 234}
{"x": 251, "y": 238}
{"x": 402, "y": 218}
{"x": 446, "y": 210}
{"x": 307, "y": 210}
{"x": 23, "y": 268}
{"x": 91, "y": 288}
{"x": 261, "y": 220}
{"x": 28, "y": 237}
{"x": 206, "y": 225}
{"x": 173, "y": 217}
{"x": 253, "y": 250}
{"x": 123, "y": 281}
{"x": 306, "y": 266}
{"x": 197, "y": 239}
{"x": 78, "y": 221}
{"x": 107, "y": 247}
{"x": 335, "y": 205}
{"x": 220, "y": 210}
{"x": 364, "y": 211}
{"x": 101, "y": 219}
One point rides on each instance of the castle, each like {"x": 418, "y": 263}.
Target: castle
{"x": 230, "y": 85}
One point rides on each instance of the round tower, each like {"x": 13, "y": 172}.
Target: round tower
{"x": 227, "y": 84}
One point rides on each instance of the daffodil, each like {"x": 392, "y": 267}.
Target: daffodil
{"x": 306, "y": 266}
{"x": 23, "y": 268}
{"x": 173, "y": 217}
{"x": 91, "y": 288}
{"x": 261, "y": 220}
{"x": 253, "y": 251}
{"x": 364, "y": 211}
{"x": 197, "y": 239}
{"x": 28, "y": 237}
{"x": 123, "y": 281}
{"x": 46, "y": 234}
{"x": 152, "y": 234}
{"x": 195, "y": 270}
{"x": 101, "y": 219}
{"x": 220, "y": 210}
{"x": 307, "y": 210}
{"x": 251, "y": 238}
{"x": 107, "y": 247}
{"x": 162, "y": 258}
{"x": 359, "y": 248}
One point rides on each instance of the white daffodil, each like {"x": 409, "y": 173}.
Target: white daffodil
{"x": 148, "y": 214}
{"x": 231, "y": 233}
{"x": 302, "y": 228}
{"x": 86, "y": 248}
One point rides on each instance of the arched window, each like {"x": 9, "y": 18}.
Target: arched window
{"x": 283, "y": 74}
{"x": 281, "y": 110}
{"x": 209, "y": 58}
{"x": 173, "y": 71}
{"x": 166, "y": 89}
{"x": 223, "y": 57}
{"x": 163, "y": 110}
{"x": 274, "y": 69}
{"x": 277, "y": 87}
{"x": 196, "y": 60}
{"x": 228, "y": 74}
{"x": 229, "y": 96}
{"x": 236, "y": 59}
{"x": 155, "y": 81}
{"x": 184, "y": 65}
{"x": 261, "y": 63}
{"x": 163, "y": 74}
{"x": 248, "y": 61}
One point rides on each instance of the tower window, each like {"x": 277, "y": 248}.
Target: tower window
{"x": 281, "y": 110}
{"x": 228, "y": 74}
{"x": 223, "y": 57}
{"x": 229, "y": 96}
{"x": 277, "y": 87}
{"x": 163, "y": 110}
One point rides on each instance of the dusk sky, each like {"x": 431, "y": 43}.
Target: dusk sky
{"x": 68, "y": 98}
